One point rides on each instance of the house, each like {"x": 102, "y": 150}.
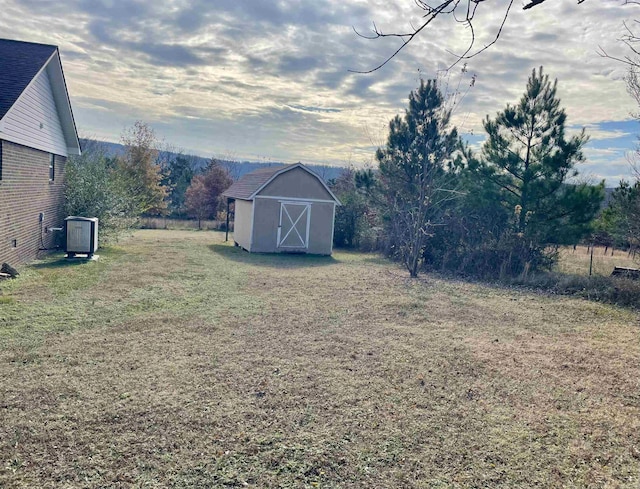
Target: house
{"x": 283, "y": 209}
{"x": 37, "y": 134}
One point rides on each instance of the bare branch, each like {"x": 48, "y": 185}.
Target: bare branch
{"x": 533, "y": 3}
{"x": 468, "y": 10}
{"x": 466, "y": 54}
{"x": 431, "y": 16}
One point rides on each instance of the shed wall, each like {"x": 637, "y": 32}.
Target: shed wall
{"x": 297, "y": 184}
{"x": 267, "y": 218}
{"x": 242, "y": 223}
{"x": 25, "y": 191}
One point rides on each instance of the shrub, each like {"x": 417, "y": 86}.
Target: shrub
{"x": 508, "y": 257}
{"x": 94, "y": 188}
{"x": 611, "y": 290}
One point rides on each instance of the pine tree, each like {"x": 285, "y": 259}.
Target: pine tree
{"x": 622, "y": 217}
{"x": 357, "y": 215}
{"x": 529, "y": 157}
{"x": 178, "y": 175}
{"x": 416, "y": 173}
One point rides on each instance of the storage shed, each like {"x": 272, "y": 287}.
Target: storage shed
{"x": 283, "y": 209}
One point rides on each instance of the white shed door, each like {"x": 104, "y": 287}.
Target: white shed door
{"x": 293, "y": 229}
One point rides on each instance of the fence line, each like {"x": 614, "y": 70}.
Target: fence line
{"x": 169, "y": 223}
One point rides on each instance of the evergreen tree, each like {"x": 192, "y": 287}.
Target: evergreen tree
{"x": 178, "y": 176}
{"x": 529, "y": 157}
{"x": 474, "y": 225}
{"x": 622, "y": 218}
{"x": 416, "y": 172}
{"x": 356, "y": 217}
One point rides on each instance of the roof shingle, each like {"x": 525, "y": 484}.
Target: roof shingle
{"x": 244, "y": 188}
{"x": 19, "y": 63}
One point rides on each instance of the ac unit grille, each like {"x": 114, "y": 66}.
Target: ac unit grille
{"x": 81, "y": 235}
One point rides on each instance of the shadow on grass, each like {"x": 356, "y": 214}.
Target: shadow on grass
{"x": 58, "y": 260}
{"x": 275, "y": 260}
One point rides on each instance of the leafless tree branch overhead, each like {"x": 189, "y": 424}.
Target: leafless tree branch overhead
{"x": 630, "y": 39}
{"x": 462, "y": 11}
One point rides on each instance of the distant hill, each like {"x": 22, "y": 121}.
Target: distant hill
{"x": 236, "y": 168}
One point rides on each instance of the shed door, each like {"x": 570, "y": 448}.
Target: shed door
{"x": 293, "y": 229}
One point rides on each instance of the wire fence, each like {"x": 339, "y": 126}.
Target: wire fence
{"x": 169, "y": 223}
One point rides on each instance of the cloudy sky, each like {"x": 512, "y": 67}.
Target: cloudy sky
{"x": 270, "y": 80}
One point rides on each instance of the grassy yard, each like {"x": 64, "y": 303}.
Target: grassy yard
{"x": 179, "y": 361}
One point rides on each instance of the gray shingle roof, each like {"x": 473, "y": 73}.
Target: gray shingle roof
{"x": 244, "y": 188}
{"x": 19, "y": 63}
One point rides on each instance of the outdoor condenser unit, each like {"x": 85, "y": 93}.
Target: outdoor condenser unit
{"x": 81, "y": 235}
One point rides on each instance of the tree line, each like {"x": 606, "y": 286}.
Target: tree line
{"x": 501, "y": 211}
{"x": 143, "y": 181}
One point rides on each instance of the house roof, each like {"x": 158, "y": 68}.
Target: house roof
{"x": 250, "y": 184}
{"x": 20, "y": 64}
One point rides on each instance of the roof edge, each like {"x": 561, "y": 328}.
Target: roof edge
{"x": 76, "y": 148}
{"x": 292, "y": 167}
{"x": 67, "y": 104}
{"x": 31, "y": 82}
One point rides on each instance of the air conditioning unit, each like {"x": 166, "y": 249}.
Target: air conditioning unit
{"x": 81, "y": 235}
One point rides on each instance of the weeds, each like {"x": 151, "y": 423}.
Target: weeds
{"x": 611, "y": 290}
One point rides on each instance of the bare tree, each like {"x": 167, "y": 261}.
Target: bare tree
{"x": 323, "y": 171}
{"x": 462, "y": 11}
{"x": 230, "y": 161}
{"x": 633, "y": 87}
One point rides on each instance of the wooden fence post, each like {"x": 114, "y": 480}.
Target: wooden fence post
{"x": 226, "y": 236}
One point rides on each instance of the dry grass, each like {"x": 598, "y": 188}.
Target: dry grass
{"x": 178, "y": 361}
{"x": 604, "y": 260}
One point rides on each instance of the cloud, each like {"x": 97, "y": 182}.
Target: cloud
{"x": 296, "y": 64}
{"x": 271, "y": 79}
{"x": 597, "y": 133}
{"x": 312, "y": 109}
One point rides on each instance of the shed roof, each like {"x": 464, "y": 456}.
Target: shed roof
{"x": 250, "y": 184}
{"x": 20, "y": 62}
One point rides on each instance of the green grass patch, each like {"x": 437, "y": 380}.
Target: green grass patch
{"x": 129, "y": 282}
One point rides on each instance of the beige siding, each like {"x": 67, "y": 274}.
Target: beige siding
{"x": 297, "y": 184}
{"x": 33, "y": 121}
{"x": 242, "y": 223}
{"x": 321, "y": 230}
{"x": 265, "y": 225}
{"x": 267, "y": 219}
